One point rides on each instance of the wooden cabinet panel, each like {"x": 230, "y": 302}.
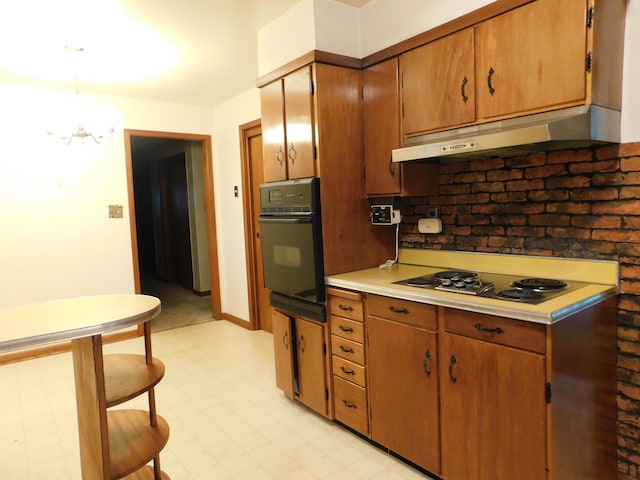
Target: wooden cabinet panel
{"x": 532, "y": 58}
{"x": 283, "y": 352}
{"x": 493, "y": 411}
{"x": 419, "y": 315}
{"x": 351, "y": 405}
{"x": 298, "y": 105}
{"x": 438, "y": 85}
{"x": 311, "y": 365}
{"x": 403, "y": 391}
{"x": 349, "y": 371}
{"x": 344, "y": 348}
{"x": 504, "y": 331}
{"x": 273, "y": 142}
{"x": 346, "y": 328}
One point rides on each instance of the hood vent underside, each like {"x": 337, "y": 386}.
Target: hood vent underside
{"x": 575, "y": 127}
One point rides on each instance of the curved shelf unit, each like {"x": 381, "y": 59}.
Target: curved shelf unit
{"x": 127, "y": 376}
{"x": 146, "y": 473}
{"x": 133, "y": 441}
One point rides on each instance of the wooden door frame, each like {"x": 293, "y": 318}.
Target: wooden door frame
{"x": 247, "y": 131}
{"x": 207, "y": 155}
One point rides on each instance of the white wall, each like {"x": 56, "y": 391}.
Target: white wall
{"x": 56, "y": 238}
{"x": 227, "y": 174}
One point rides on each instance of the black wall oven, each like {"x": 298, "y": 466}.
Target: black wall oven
{"x": 291, "y": 229}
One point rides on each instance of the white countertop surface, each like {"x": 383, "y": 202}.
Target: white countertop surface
{"x": 380, "y": 281}
{"x": 37, "y": 324}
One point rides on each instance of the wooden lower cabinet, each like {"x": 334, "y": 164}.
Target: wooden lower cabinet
{"x": 493, "y": 411}
{"x": 403, "y": 380}
{"x": 300, "y": 351}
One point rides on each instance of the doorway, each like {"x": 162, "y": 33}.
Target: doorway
{"x": 172, "y": 217}
{"x": 252, "y": 176}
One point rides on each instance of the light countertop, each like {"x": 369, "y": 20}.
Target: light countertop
{"x": 380, "y": 281}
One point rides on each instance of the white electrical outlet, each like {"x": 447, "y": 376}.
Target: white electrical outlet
{"x": 429, "y": 225}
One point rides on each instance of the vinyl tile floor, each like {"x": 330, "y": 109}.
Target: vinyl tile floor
{"x": 228, "y": 420}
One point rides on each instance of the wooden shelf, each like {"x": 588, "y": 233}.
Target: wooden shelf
{"x": 128, "y": 375}
{"x": 146, "y": 473}
{"x": 133, "y": 442}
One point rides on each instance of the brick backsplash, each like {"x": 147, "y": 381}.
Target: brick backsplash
{"x": 572, "y": 203}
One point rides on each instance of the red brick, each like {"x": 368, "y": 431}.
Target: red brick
{"x": 509, "y": 220}
{"x": 489, "y": 230}
{"x": 472, "y": 241}
{"x": 502, "y": 242}
{"x": 545, "y": 171}
{"x": 524, "y": 208}
{"x": 473, "y": 198}
{"x": 622, "y": 207}
{"x": 632, "y": 223}
{"x": 504, "y": 175}
{"x": 596, "y": 221}
{"x": 526, "y": 231}
{"x": 487, "y": 187}
{"x": 595, "y": 167}
{"x": 535, "y": 159}
{"x": 465, "y": 230}
{"x": 548, "y": 195}
{"x": 595, "y": 194}
{"x": 549, "y": 220}
{"x": 525, "y": 185}
{"x": 445, "y": 179}
{"x": 473, "y": 220}
{"x": 509, "y": 197}
{"x": 470, "y": 177}
{"x": 568, "y": 182}
{"x": 455, "y": 189}
{"x": 631, "y": 164}
{"x": 616, "y": 235}
{"x": 630, "y": 272}
{"x": 488, "y": 208}
{"x": 630, "y": 192}
{"x": 569, "y": 156}
{"x": 565, "y": 232}
{"x": 574, "y": 208}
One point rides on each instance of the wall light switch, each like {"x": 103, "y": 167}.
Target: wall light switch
{"x": 116, "y": 211}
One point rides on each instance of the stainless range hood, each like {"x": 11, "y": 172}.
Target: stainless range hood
{"x": 575, "y": 127}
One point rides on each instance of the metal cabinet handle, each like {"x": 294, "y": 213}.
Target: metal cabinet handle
{"x": 349, "y": 404}
{"x": 345, "y": 329}
{"x": 465, "y": 98}
{"x": 345, "y": 308}
{"x": 302, "y": 343}
{"x": 346, "y": 349}
{"x": 482, "y": 328}
{"x": 403, "y": 311}
{"x": 490, "y": 81}
{"x": 425, "y": 363}
{"x": 392, "y": 170}
{"x": 292, "y": 153}
{"x": 285, "y": 340}
{"x": 347, "y": 371}
{"x": 452, "y": 363}
{"x": 280, "y": 155}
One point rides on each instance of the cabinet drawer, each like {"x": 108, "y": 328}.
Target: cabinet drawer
{"x": 346, "y": 307}
{"x": 347, "y": 349}
{"x": 351, "y": 329}
{"x": 349, "y": 371}
{"x": 503, "y": 331}
{"x": 351, "y": 405}
{"x": 418, "y": 315}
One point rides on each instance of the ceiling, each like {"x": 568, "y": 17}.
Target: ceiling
{"x": 198, "y": 52}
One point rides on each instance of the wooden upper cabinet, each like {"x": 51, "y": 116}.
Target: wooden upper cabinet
{"x": 381, "y": 126}
{"x": 287, "y": 125}
{"x": 381, "y": 116}
{"x": 532, "y": 59}
{"x": 438, "y": 84}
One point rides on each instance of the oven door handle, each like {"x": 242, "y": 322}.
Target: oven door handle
{"x": 286, "y": 220}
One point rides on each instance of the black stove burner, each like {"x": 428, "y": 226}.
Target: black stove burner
{"x": 455, "y": 275}
{"x": 520, "y": 294}
{"x": 541, "y": 284}
{"x": 422, "y": 281}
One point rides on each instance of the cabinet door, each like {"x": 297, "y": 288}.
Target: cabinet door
{"x": 298, "y": 102}
{"x": 311, "y": 365}
{"x": 283, "y": 351}
{"x": 532, "y": 58}
{"x": 381, "y": 119}
{"x": 493, "y": 411}
{"x": 403, "y": 391}
{"x": 438, "y": 84}
{"x": 273, "y": 142}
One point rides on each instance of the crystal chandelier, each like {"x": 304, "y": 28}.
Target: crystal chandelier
{"x": 80, "y": 113}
